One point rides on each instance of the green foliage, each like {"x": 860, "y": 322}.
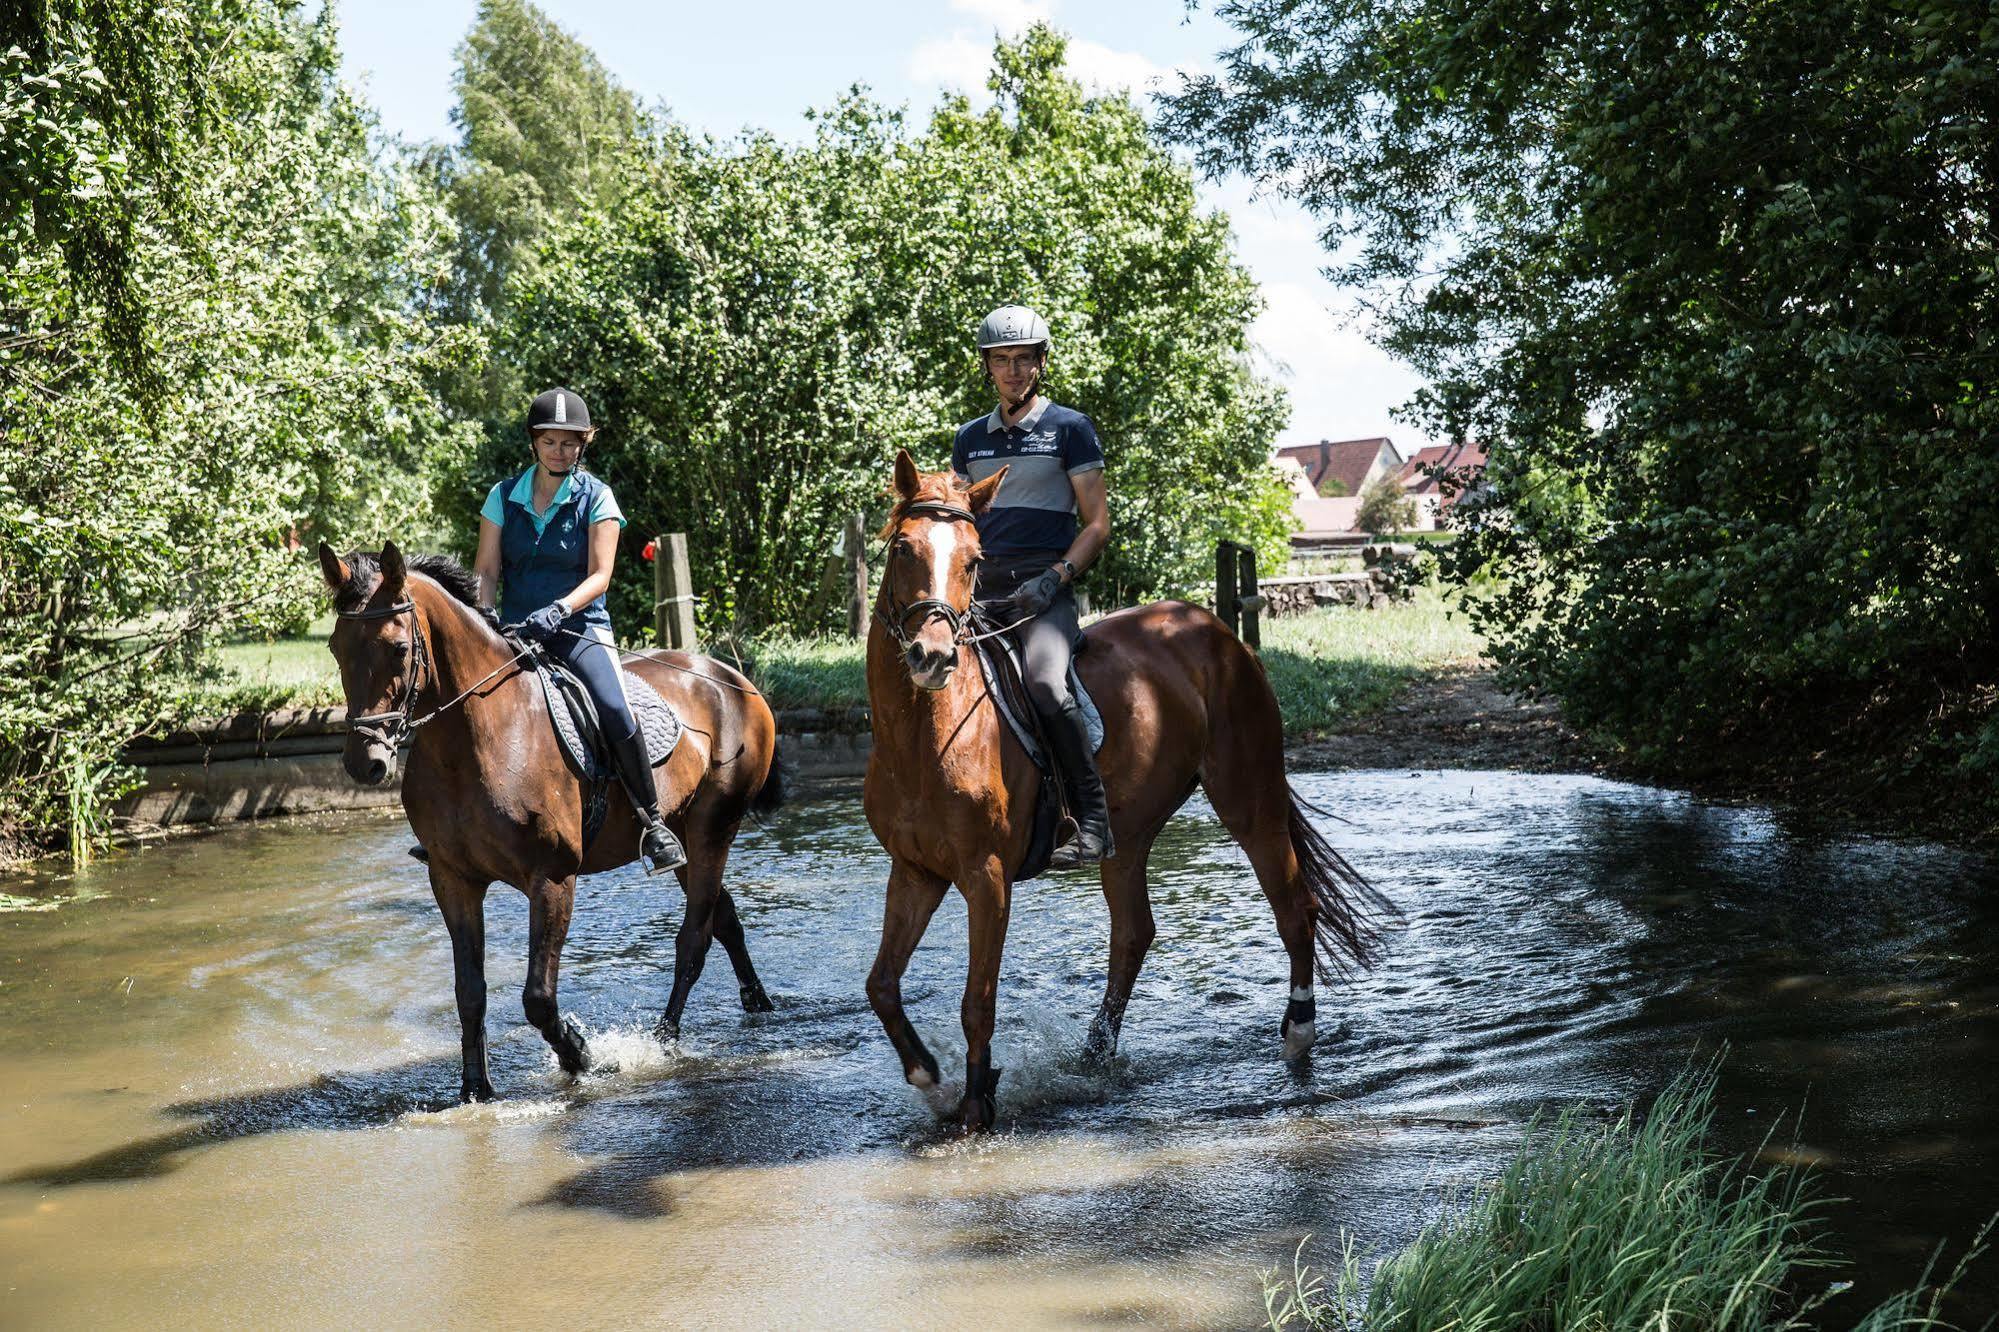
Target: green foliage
{"x": 544, "y": 130}
{"x": 1385, "y": 506}
{"x": 1717, "y": 284}
{"x": 274, "y": 281}
{"x": 1629, "y": 1226}
{"x": 760, "y": 327}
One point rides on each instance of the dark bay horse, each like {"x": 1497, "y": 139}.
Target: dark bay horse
{"x": 950, "y": 792}
{"x": 489, "y": 796}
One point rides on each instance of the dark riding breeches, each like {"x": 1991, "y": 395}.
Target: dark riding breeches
{"x": 594, "y": 658}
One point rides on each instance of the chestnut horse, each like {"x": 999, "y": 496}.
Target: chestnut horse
{"x": 491, "y": 799}
{"x": 950, "y": 793}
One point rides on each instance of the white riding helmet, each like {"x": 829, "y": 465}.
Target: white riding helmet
{"x": 1015, "y": 326}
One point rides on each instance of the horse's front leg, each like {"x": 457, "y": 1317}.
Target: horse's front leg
{"x": 988, "y": 901}
{"x": 913, "y": 895}
{"x": 549, "y": 904}
{"x": 462, "y": 900}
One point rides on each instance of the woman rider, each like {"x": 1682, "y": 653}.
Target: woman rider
{"x": 547, "y": 539}
{"x": 1032, "y": 547}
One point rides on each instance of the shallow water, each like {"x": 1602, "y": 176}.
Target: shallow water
{"x": 228, "y": 1068}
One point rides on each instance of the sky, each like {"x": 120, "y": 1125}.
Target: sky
{"x": 765, "y": 63}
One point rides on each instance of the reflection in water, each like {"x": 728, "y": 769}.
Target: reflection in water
{"x": 230, "y": 1067}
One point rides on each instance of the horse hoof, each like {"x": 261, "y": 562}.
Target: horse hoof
{"x": 755, "y": 1000}
{"x": 976, "y": 1115}
{"x": 1298, "y": 1038}
{"x": 1099, "y": 1046}
{"x": 481, "y": 1092}
{"x": 571, "y": 1050}
{"x": 667, "y": 1030}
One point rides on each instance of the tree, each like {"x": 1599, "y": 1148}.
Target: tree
{"x": 282, "y": 277}
{"x": 544, "y": 130}
{"x": 767, "y": 325}
{"x": 1714, "y": 283}
{"x": 1385, "y": 507}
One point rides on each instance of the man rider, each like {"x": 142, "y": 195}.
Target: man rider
{"x": 1034, "y": 547}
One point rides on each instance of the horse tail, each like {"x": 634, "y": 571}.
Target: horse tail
{"x": 1349, "y": 916}
{"x": 771, "y": 794}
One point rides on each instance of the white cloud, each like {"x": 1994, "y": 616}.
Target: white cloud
{"x": 958, "y": 62}
{"x": 1100, "y": 67}
{"x": 1011, "y": 17}
{"x": 1341, "y": 384}
{"x": 962, "y": 60}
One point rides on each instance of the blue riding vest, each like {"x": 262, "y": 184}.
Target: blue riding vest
{"x": 540, "y": 566}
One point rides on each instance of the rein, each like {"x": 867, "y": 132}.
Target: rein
{"x": 392, "y": 728}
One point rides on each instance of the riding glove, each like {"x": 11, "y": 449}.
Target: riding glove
{"x": 492, "y": 619}
{"x": 1037, "y": 594}
{"x": 541, "y": 625}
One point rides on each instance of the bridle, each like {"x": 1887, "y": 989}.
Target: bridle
{"x": 392, "y": 728}
{"x": 896, "y": 622}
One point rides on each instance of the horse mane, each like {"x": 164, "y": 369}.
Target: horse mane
{"x": 933, "y": 487}
{"x": 447, "y": 573}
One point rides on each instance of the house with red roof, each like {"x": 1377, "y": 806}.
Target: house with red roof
{"x": 1327, "y": 478}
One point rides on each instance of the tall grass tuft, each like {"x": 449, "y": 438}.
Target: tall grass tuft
{"x": 1630, "y": 1226}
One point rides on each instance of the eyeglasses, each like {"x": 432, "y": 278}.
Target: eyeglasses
{"x": 1017, "y": 364}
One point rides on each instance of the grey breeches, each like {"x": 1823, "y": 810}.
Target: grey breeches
{"x": 1048, "y": 641}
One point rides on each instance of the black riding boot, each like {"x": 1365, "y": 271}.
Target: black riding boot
{"x": 661, "y": 849}
{"x": 1069, "y": 738}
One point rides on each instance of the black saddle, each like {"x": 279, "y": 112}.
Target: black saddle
{"x": 580, "y": 735}
{"x": 999, "y": 663}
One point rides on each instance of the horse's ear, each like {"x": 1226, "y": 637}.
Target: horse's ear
{"x": 393, "y": 571}
{"x": 981, "y": 495}
{"x": 906, "y": 475}
{"x": 336, "y": 570}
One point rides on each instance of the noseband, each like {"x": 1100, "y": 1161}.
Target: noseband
{"x": 897, "y": 619}
{"x": 392, "y": 728}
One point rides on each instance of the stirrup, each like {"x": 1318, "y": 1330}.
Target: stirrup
{"x": 1081, "y": 850}
{"x": 660, "y": 849}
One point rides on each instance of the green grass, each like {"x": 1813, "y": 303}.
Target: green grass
{"x": 255, "y": 676}
{"x": 828, "y": 673}
{"x": 1331, "y": 666}
{"x": 1630, "y": 1226}
{"x": 1328, "y": 666}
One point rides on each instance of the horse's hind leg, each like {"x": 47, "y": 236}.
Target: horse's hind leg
{"x": 729, "y": 933}
{"x": 1131, "y": 938}
{"x": 913, "y": 895}
{"x": 462, "y": 901}
{"x": 1259, "y": 820}
{"x": 701, "y": 881}
{"x": 549, "y": 904}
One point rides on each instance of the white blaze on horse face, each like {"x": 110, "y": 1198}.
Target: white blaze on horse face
{"x": 943, "y": 545}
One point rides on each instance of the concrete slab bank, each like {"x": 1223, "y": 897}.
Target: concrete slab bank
{"x": 260, "y": 765}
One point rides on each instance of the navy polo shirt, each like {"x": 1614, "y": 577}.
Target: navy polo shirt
{"x": 1035, "y": 510}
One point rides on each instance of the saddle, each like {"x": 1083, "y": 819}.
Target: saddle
{"x": 999, "y": 663}
{"x": 580, "y": 735}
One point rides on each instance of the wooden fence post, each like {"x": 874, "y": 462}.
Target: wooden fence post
{"x": 857, "y": 576}
{"x": 1236, "y": 599}
{"x": 673, "y": 593}
{"x": 1248, "y": 600}
{"x": 1225, "y": 594}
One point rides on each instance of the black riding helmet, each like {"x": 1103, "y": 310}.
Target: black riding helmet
{"x": 558, "y": 409}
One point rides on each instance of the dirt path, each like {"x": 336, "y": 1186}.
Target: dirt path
{"x": 1457, "y": 718}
